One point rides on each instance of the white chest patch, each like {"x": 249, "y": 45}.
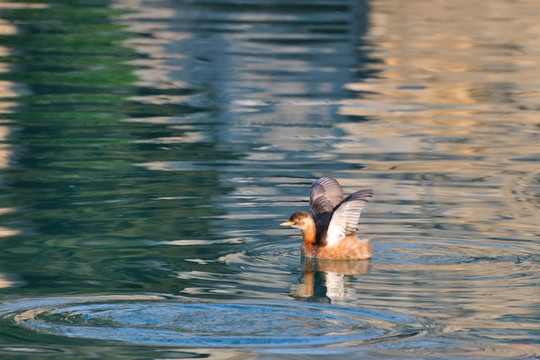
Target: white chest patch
{"x": 333, "y": 236}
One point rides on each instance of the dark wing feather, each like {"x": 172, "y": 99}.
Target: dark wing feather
{"x": 346, "y": 216}
{"x": 325, "y": 195}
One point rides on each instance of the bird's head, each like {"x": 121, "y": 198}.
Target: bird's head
{"x": 299, "y": 220}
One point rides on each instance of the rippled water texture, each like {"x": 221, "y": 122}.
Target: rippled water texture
{"x": 150, "y": 149}
{"x": 205, "y": 324}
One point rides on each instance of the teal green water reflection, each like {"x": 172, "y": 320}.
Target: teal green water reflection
{"x": 151, "y": 149}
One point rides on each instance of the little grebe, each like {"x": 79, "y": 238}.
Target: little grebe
{"x": 330, "y": 233}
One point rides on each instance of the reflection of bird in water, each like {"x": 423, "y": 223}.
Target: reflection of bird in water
{"x": 330, "y": 234}
{"x": 324, "y": 280}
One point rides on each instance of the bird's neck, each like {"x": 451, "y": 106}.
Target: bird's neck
{"x": 310, "y": 231}
{"x": 309, "y": 236}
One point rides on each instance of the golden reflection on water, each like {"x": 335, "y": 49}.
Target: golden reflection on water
{"x": 457, "y": 80}
{"x": 8, "y": 90}
{"x": 438, "y": 55}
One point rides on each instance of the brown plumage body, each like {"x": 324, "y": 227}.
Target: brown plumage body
{"x": 330, "y": 233}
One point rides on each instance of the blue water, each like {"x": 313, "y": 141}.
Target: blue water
{"x": 150, "y": 149}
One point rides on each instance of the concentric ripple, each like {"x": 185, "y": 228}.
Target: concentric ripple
{"x": 155, "y": 321}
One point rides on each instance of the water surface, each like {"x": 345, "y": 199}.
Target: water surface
{"x": 150, "y": 150}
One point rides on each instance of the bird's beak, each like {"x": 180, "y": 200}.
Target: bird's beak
{"x": 287, "y": 223}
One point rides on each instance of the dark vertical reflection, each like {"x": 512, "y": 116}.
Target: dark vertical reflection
{"x": 275, "y": 73}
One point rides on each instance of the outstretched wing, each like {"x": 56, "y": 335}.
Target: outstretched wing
{"x": 346, "y": 216}
{"x": 326, "y": 194}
